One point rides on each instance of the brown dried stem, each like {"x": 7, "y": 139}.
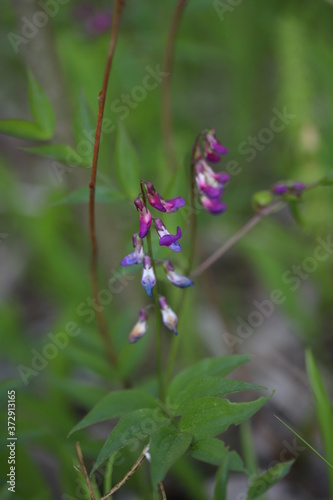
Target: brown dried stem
{"x": 101, "y": 321}
{"x": 84, "y": 471}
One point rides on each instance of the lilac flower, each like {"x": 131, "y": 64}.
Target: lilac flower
{"x": 298, "y": 186}
{"x": 135, "y": 257}
{"x": 280, "y": 189}
{"x": 156, "y": 200}
{"x": 167, "y": 239}
{"x": 148, "y": 280}
{"x": 145, "y": 216}
{"x": 139, "y": 328}
{"x": 288, "y": 188}
{"x": 168, "y": 316}
{"x": 213, "y": 205}
{"x": 209, "y": 182}
{"x": 213, "y": 146}
{"x": 176, "y": 279}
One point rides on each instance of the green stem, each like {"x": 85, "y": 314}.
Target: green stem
{"x": 158, "y": 324}
{"x": 193, "y": 235}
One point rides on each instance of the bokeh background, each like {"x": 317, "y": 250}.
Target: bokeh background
{"x": 236, "y": 67}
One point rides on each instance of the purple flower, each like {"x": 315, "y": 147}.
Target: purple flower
{"x": 209, "y": 182}
{"x": 156, "y": 200}
{"x": 167, "y": 239}
{"x": 139, "y": 328}
{"x": 135, "y": 257}
{"x": 280, "y": 189}
{"x": 298, "y": 186}
{"x": 148, "y": 280}
{"x": 213, "y": 148}
{"x": 214, "y": 206}
{"x": 145, "y": 216}
{"x": 168, "y": 316}
{"x": 176, "y": 279}
{"x": 99, "y": 22}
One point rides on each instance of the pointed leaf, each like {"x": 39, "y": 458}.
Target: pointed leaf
{"x": 213, "y": 451}
{"x": 127, "y": 166}
{"x": 208, "y": 417}
{"x": 40, "y": 106}
{"x": 263, "y": 483}
{"x": 61, "y": 152}
{"x": 216, "y": 367}
{"x": 210, "y": 386}
{"x": 22, "y": 129}
{"x": 132, "y": 430}
{"x": 166, "y": 446}
{"x": 115, "y": 405}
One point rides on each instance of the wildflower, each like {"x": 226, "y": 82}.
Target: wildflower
{"x": 213, "y": 205}
{"x": 139, "y": 328}
{"x": 167, "y": 239}
{"x": 168, "y": 316}
{"x": 156, "y": 200}
{"x": 175, "y": 278}
{"x": 145, "y": 216}
{"x": 293, "y": 187}
{"x": 148, "y": 280}
{"x": 209, "y": 182}
{"x": 213, "y": 146}
{"x": 135, "y": 257}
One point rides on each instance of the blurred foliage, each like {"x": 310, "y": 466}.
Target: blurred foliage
{"x": 235, "y": 72}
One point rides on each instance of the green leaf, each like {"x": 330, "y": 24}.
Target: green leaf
{"x": 210, "y": 386}
{"x": 208, "y": 417}
{"x": 103, "y": 194}
{"x": 323, "y": 410}
{"x": 40, "y": 107}
{"x": 213, "y": 451}
{"x": 263, "y": 483}
{"x": 127, "y": 166}
{"x": 133, "y": 429}
{"x": 115, "y": 405}
{"x": 217, "y": 367}
{"x": 23, "y": 129}
{"x": 84, "y": 124}
{"x": 61, "y": 152}
{"x": 166, "y": 446}
{"x": 220, "y": 492}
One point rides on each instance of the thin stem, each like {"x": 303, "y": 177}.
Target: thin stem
{"x": 193, "y": 235}
{"x": 236, "y": 237}
{"x": 84, "y": 471}
{"x": 162, "y": 490}
{"x": 166, "y": 85}
{"x": 101, "y": 321}
{"x": 127, "y": 476}
{"x": 158, "y": 324}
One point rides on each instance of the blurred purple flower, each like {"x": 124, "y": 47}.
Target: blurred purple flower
{"x": 148, "y": 280}
{"x": 175, "y": 278}
{"x": 139, "y": 328}
{"x": 167, "y": 239}
{"x": 137, "y": 256}
{"x": 145, "y": 216}
{"x": 168, "y": 316}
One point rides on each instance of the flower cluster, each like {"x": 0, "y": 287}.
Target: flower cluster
{"x": 138, "y": 256}
{"x": 210, "y": 184}
{"x": 288, "y": 188}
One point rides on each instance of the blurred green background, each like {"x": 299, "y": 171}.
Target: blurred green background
{"x": 235, "y": 68}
